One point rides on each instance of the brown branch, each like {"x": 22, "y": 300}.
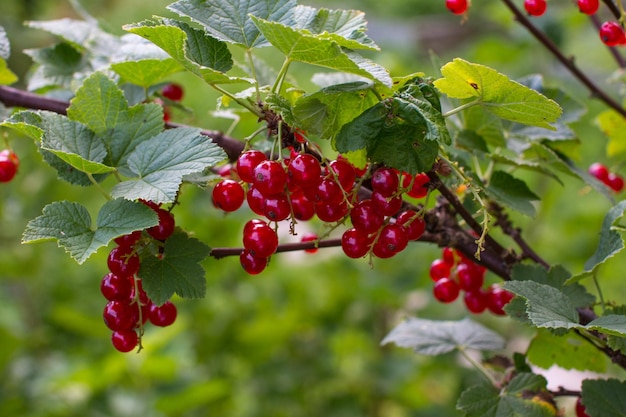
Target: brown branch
{"x": 13, "y": 97}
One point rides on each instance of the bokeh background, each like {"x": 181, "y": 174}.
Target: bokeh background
{"x": 301, "y": 339}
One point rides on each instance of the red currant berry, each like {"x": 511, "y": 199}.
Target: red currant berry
{"x": 119, "y": 315}
{"x": 276, "y": 208}
{"x": 123, "y": 262}
{"x": 447, "y": 254}
{"x": 385, "y": 181}
{"x": 599, "y": 171}
{"x": 387, "y": 206}
{"x": 358, "y": 171}
{"x": 9, "y": 163}
{"x": 413, "y": 224}
{"x": 615, "y": 182}
{"x": 580, "y": 409}
{"x": 497, "y": 298}
{"x": 612, "y": 34}
{"x": 228, "y": 195}
{"x": 300, "y": 136}
{"x": 260, "y": 239}
{"x": 366, "y": 217}
{"x": 309, "y": 237}
{"x": 475, "y": 301}
{"x": 439, "y": 269}
{"x": 125, "y": 340}
{"x": 305, "y": 170}
{"x": 588, "y": 6}
{"x": 346, "y": 176}
{"x": 253, "y": 265}
{"x": 303, "y": 209}
{"x": 457, "y": 6}
{"x": 128, "y": 240}
{"x": 355, "y": 244}
{"x": 381, "y": 251}
{"x": 114, "y": 287}
{"x": 163, "y": 315}
{"x": 446, "y": 290}
{"x": 469, "y": 277}
{"x": 166, "y": 225}
{"x": 173, "y": 92}
{"x": 330, "y": 213}
{"x": 417, "y": 186}
{"x": 535, "y": 7}
{"x": 270, "y": 178}
{"x": 255, "y": 200}
{"x": 393, "y": 237}
{"x": 246, "y": 163}
{"x": 328, "y": 191}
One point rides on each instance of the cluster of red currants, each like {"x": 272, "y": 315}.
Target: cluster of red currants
{"x": 9, "y": 163}
{"x": 173, "y": 92}
{"x": 611, "y": 179}
{"x": 454, "y": 272}
{"x": 129, "y": 307}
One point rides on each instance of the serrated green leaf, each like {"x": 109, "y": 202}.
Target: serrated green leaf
{"x": 176, "y": 270}
{"x": 497, "y": 94}
{"x": 521, "y": 398}
{"x": 613, "y": 125}
{"x": 301, "y": 45}
{"x": 612, "y": 324}
{"x": 146, "y": 72}
{"x": 569, "y": 351}
{"x": 229, "y": 20}
{"x": 512, "y": 192}
{"x": 70, "y": 224}
{"x": 161, "y": 163}
{"x": 435, "y": 337}
{"x": 545, "y": 305}
{"x": 79, "y": 33}
{"x": 604, "y": 397}
{"x": 58, "y": 63}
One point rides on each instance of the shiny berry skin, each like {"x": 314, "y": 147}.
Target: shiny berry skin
{"x": 447, "y": 254}
{"x": 166, "y": 225}
{"x": 355, "y": 244}
{"x": 446, "y": 290}
{"x": 345, "y": 173}
{"x": 612, "y": 34}
{"x": 366, "y": 217}
{"x": 125, "y": 340}
{"x": 393, "y": 237}
{"x": 173, "y": 92}
{"x": 260, "y": 239}
{"x": 119, "y": 315}
{"x": 615, "y": 182}
{"x": 309, "y": 237}
{"x": 439, "y": 269}
{"x": 9, "y": 163}
{"x": 413, "y": 224}
{"x": 128, "y": 240}
{"x": 114, "y": 287}
{"x": 328, "y": 191}
{"x": 303, "y": 209}
{"x": 419, "y": 187}
{"x": 497, "y": 298}
{"x": 305, "y": 170}
{"x": 330, "y": 213}
{"x": 535, "y": 7}
{"x": 588, "y": 6}
{"x": 385, "y": 181}
{"x": 387, "y": 206}
{"x": 253, "y": 265}
{"x": 276, "y": 208}
{"x": 255, "y": 200}
{"x": 475, "y": 301}
{"x": 382, "y": 251}
{"x": 457, "y": 6}
{"x": 300, "y": 136}
{"x": 123, "y": 262}
{"x": 599, "y": 171}
{"x": 246, "y": 163}
{"x": 470, "y": 278}
{"x": 228, "y": 195}
{"x": 580, "y": 409}
{"x": 270, "y": 178}
{"x": 163, "y": 315}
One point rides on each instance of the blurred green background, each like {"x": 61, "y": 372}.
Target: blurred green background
{"x": 301, "y": 339}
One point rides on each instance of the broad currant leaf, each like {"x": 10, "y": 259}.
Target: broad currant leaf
{"x": 57, "y": 65}
{"x": 176, "y": 269}
{"x": 79, "y": 33}
{"x": 436, "y": 337}
{"x": 569, "y": 351}
{"x": 160, "y": 164}
{"x": 512, "y": 193}
{"x": 496, "y": 93}
{"x": 70, "y": 225}
{"x": 604, "y": 397}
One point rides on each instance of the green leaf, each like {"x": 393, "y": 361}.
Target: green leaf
{"x": 497, "y": 94}
{"x": 58, "y": 64}
{"x": 545, "y": 305}
{"x": 512, "y": 193}
{"x": 612, "y": 324}
{"x": 346, "y": 27}
{"x": 79, "y": 33}
{"x": 604, "y": 397}
{"x": 70, "y": 225}
{"x": 301, "y": 45}
{"x": 7, "y": 77}
{"x": 435, "y": 337}
{"x": 161, "y": 163}
{"x": 229, "y": 20}
{"x": 524, "y": 396}
{"x": 613, "y": 125}
{"x": 176, "y": 270}
{"x": 569, "y": 351}
{"x": 146, "y": 72}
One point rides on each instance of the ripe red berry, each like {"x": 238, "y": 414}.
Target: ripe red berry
{"x": 270, "y": 178}
{"x": 615, "y": 182}
{"x": 246, "y": 163}
{"x": 439, "y": 269}
{"x": 163, "y": 315}
{"x": 447, "y": 254}
{"x": 123, "y": 261}
{"x": 228, "y": 195}
{"x": 446, "y": 290}
{"x": 413, "y": 224}
{"x": 346, "y": 175}
{"x": 124, "y": 340}
{"x": 128, "y": 240}
{"x": 475, "y": 301}
{"x": 580, "y": 409}
{"x": 333, "y": 212}
{"x": 535, "y": 7}
{"x": 9, "y": 163}
{"x": 309, "y": 237}
{"x": 114, "y": 287}
{"x": 355, "y": 244}
{"x": 387, "y": 206}
{"x": 303, "y": 208}
{"x": 393, "y": 237}
{"x": 588, "y": 6}
{"x": 300, "y": 136}
{"x": 599, "y": 171}
{"x": 166, "y": 225}
{"x": 328, "y": 191}
{"x": 385, "y": 181}
{"x": 612, "y": 34}
{"x": 260, "y": 239}
{"x": 276, "y": 208}
{"x": 173, "y": 92}
{"x": 469, "y": 277}
{"x": 457, "y": 6}
{"x": 119, "y": 315}
{"x": 497, "y": 298}
{"x": 366, "y": 217}
{"x": 253, "y": 265}
{"x": 304, "y": 170}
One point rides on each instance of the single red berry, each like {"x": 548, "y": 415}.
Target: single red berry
{"x": 599, "y": 171}
{"x": 300, "y": 135}
{"x": 163, "y": 315}
{"x": 417, "y": 186}
{"x": 124, "y": 340}
{"x": 439, "y": 269}
{"x": 393, "y": 237}
{"x": 447, "y": 254}
{"x": 535, "y": 7}
{"x": 270, "y": 178}
{"x": 497, "y": 298}
{"x": 246, "y": 163}
{"x": 276, "y": 208}
{"x": 119, "y": 315}
{"x": 303, "y": 208}
{"x": 475, "y": 301}
{"x": 305, "y": 170}
{"x": 330, "y": 213}
{"x": 255, "y": 200}
{"x": 588, "y": 6}
{"x": 358, "y": 171}
{"x": 173, "y": 92}
{"x": 228, "y": 195}
{"x": 366, "y": 217}
{"x": 9, "y": 163}
{"x": 309, "y": 237}
{"x": 413, "y": 224}
{"x": 457, "y": 6}
{"x": 328, "y": 191}
{"x": 446, "y": 290}
{"x": 166, "y": 225}
{"x": 469, "y": 277}
{"x": 260, "y": 239}
{"x": 355, "y": 244}
{"x": 123, "y": 261}
{"x": 128, "y": 240}
{"x": 253, "y": 265}
{"x": 615, "y": 182}
{"x": 346, "y": 175}
{"x": 387, "y": 206}
{"x": 385, "y": 181}
{"x": 382, "y": 251}
{"x": 580, "y": 409}
{"x": 114, "y": 287}
{"x": 612, "y": 34}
